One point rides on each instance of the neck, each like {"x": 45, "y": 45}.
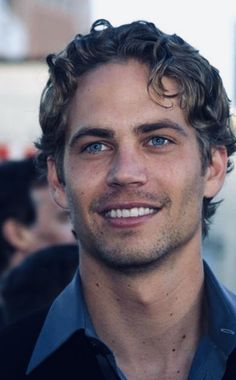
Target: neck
{"x": 151, "y": 310}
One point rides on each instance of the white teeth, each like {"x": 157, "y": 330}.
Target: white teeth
{"x": 129, "y": 213}
{"x": 134, "y": 212}
{"x": 112, "y": 214}
{"x": 125, "y": 213}
{"x": 118, "y": 214}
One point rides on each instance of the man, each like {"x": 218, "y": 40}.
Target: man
{"x": 137, "y": 139}
{"x": 29, "y": 219}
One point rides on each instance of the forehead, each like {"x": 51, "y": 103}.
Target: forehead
{"x": 117, "y": 94}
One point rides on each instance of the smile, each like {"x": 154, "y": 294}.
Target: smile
{"x": 129, "y": 213}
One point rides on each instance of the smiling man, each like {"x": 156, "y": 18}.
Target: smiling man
{"x": 137, "y": 142}
{"x": 146, "y": 198}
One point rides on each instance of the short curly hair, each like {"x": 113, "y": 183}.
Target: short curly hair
{"x": 200, "y": 90}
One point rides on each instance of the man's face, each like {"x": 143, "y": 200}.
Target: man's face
{"x": 132, "y": 170}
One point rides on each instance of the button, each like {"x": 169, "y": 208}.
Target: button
{"x": 227, "y": 331}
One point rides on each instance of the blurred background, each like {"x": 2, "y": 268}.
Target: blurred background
{"x": 30, "y": 29}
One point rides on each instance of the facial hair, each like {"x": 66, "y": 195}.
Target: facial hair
{"x": 122, "y": 256}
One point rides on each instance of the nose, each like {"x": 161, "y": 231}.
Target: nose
{"x": 127, "y": 168}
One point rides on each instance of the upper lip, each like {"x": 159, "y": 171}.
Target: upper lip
{"x": 126, "y": 205}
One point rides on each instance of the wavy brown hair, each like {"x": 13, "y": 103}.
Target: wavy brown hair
{"x": 200, "y": 90}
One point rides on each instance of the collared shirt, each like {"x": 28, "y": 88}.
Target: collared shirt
{"x": 69, "y": 314}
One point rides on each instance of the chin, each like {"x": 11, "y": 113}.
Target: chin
{"x": 130, "y": 263}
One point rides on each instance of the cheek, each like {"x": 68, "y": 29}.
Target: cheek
{"x": 84, "y": 183}
{"x": 191, "y": 197}
{"x": 78, "y": 197}
{"x": 183, "y": 184}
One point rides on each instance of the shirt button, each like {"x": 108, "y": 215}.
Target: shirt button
{"x": 227, "y": 331}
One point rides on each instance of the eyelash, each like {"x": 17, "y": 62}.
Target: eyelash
{"x": 87, "y": 148}
{"x": 165, "y": 141}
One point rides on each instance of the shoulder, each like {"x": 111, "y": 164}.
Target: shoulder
{"x": 16, "y": 345}
{"x": 73, "y": 360}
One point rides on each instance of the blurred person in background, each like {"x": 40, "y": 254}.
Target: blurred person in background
{"x": 29, "y": 219}
{"x": 136, "y": 141}
{"x": 37, "y": 280}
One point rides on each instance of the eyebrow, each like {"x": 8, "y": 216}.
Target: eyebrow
{"x": 91, "y": 131}
{"x": 163, "y": 124}
{"x": 140, "y": 129}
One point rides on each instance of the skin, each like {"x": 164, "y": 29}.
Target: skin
{"x": 125, "y": 151}
{"x": 51, "y": 226}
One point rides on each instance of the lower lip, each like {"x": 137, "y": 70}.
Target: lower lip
{"x": 128, "y": 222}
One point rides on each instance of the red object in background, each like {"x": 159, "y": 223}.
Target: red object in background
{"x": 4, "y": 152}
{"x": 30, "y": 151}
{"x": 8, "y": 153}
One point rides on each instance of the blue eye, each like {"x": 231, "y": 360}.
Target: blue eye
{"x": 95, "y": 147}
{"x": 158, "y": 141}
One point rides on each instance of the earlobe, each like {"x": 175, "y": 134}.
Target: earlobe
{"x": 216, "y": 171}
{"x": 57, "y": 188}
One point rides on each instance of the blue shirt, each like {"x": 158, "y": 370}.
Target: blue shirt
{"x": 69, "y": 314}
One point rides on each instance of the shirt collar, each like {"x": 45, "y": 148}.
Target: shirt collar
{"x": 69, "y": 314}
{"x": 221, "y": 313}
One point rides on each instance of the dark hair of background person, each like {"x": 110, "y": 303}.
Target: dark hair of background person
{"x": 17, "y": 178}
{"x": 34, "y": 283}
{"x": 200, "y": 90}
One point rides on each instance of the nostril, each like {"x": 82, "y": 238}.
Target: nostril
{"x": 126, "y": 177}
{"x": 127, "y": 168}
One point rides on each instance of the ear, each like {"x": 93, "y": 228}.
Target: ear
{"x": 57, "y": 188}
{"x": 216, "y": 171}
{"x": 17, "y": 234}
